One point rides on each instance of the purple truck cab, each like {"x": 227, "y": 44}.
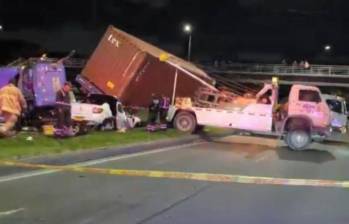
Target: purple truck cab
{"x": 41, "y": 82}
{"x": 6, "y": 74}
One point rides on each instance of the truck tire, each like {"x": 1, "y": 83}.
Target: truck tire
{"x": 185, "y": 122}
{"x": 298, "y": 139}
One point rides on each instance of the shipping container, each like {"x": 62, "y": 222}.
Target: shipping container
{"x": 130, "y": 69}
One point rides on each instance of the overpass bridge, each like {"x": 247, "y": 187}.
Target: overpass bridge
{"x": 319, "y": 75}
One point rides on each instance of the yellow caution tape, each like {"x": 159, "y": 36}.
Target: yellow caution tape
{"x": 209, "y": 177}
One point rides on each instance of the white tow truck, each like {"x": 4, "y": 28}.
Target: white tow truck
{"x": 301, "y": 120}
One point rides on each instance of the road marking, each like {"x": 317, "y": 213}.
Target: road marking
{"x": 10, "y": 212}
{"x": 208, "y": 177}
{"x": 93, "y": 162}
{"x": 111, "y": 159}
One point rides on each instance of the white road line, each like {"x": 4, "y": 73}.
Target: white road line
{"x": 26, "y": 175}
{"x": 111, "y": 159}
{"x": 10, "y": 212}
{"x": 93, "y": 162}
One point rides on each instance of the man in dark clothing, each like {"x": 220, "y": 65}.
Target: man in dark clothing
{"x": 164, "y": 106}
{"x": 63, "y": 107}
{"x": 153, "y": 112}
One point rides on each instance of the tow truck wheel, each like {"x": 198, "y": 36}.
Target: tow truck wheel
{"x": 185, "y": 122}
{"x": 298, "y": 139}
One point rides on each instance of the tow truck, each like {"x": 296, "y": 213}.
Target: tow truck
{"x": 303, "y": 119}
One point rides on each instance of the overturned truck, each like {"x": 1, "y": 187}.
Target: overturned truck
{"x": 133, "y": 71}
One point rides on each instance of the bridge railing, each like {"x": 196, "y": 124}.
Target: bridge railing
{"x": 280, "y": 69}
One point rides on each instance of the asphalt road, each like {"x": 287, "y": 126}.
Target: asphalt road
{"x": 84, "y": 198}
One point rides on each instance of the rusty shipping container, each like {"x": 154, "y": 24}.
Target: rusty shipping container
{"x": 129, "y": 68}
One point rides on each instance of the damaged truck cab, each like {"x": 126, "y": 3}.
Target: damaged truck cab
{"x": 303, "y": 119}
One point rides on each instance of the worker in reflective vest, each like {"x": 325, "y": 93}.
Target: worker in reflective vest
{"x": 12, "y": 104}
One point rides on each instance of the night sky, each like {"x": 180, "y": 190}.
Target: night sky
{"x": 226, "y": 29}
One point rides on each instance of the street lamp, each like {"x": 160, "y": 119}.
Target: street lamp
{"x": 187, "y": 28}
{"x": 328, "y": 48}
{"x": 1, "y": 28}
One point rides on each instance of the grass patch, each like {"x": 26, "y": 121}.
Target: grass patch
{"x": 19, "y": 147}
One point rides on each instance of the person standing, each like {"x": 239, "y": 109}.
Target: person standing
{"x": 12, "y": 104}
{"x": 163, "y": 109}
{"x": 63, "y": 107}
{"x": 153, "y": 113}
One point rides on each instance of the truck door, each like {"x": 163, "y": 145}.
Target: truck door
{"x": 308, "y": 102}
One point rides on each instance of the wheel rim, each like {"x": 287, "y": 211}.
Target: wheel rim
{"x": 299, "y": 139}
{"x": 76, "y": 129}
{"x": 184, "y": 124}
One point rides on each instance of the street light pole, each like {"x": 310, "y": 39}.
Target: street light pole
{"x": 189, "y": 48}
{"x": 188, "y": 30}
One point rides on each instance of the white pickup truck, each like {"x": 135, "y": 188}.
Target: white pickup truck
{"x": 303, "y": 119}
